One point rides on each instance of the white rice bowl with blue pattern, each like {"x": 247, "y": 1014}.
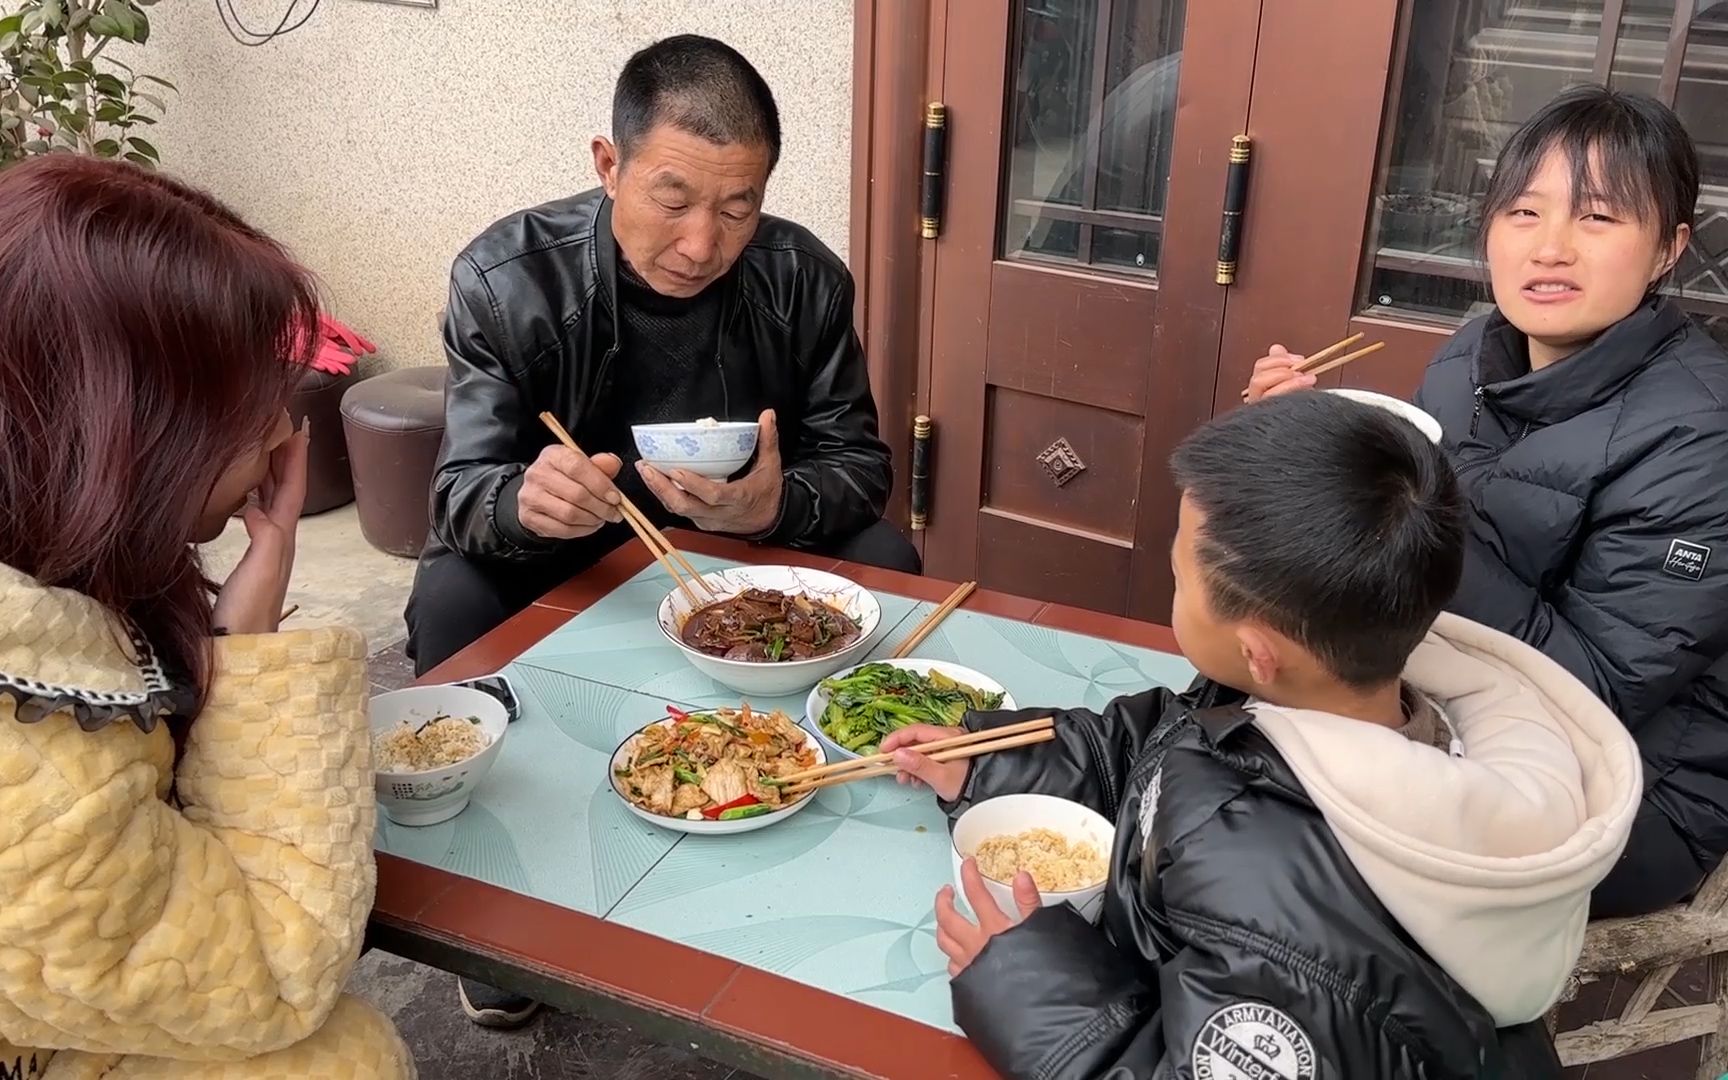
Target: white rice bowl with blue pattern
{"x": 708, "y": 447}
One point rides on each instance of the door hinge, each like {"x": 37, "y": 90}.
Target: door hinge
{"x": 920, "y": 473}
{"x": 935, "y": 159}
{"x": 1235, "y": 200}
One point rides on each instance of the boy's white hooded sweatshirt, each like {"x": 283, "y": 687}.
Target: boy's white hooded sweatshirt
{"x": 1488, "y": 859}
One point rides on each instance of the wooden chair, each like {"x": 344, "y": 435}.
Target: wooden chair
{"x": 1655, "y": 946}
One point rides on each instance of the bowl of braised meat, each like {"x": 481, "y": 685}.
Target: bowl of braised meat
{"x": 774, "y": 630}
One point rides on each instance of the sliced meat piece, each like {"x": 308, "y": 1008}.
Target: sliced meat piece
{"x": 768, "y": 793}
{"x": 710, "y": 746}
{"x": 656, "y": 785}
{"x": 687, "y": 797}
{"x": 725, "y": 781}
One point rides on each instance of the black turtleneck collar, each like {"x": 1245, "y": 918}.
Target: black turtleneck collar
{"x": 1582, "y": 381}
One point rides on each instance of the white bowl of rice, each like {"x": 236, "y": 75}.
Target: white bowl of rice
{"x": 431, "y": 746}
{"x": 1063, "y": 845}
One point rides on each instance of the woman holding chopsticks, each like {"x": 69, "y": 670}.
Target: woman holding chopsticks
{"x": 186, "y": 803}
{"x": 1587, "y": 418}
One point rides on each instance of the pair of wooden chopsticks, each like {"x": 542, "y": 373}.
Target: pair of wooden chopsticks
{"x": 1025, "y": 733}
{"x": 1321, "y": 362}
{"x": 922, "y": 630}
{"x": 696, "y": 588}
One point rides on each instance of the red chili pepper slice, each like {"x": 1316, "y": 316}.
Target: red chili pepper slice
{"x": 713, "y": 812}
{"x": 676, "y": 713}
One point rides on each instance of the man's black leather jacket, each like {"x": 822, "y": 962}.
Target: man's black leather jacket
{"x": 531, "y": 326}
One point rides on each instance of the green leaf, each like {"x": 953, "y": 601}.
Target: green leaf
{"x": 141, "y": 118}
{"x": 110, "y": 112}
{"x": 110, "y": 85}
{"x": 140, "y": 27}
{"x": 71, "y": 78}
{"x": 7, "y": 123}
{"x": 107, "y": 147}
{"x": 161, "y": 106}
{"x": 33, "y": 20}
{"x": 140, "y": 159}
{"x": 53, "y": 12}
{"x": 12, "y": 24}
{"x": 77, "y": 122}
{"x": 107, "y": 26}
{"x": 36, "y": 146}
{"x": 143, "y": 147}
{"x": 159, "y": 82}
{"x": 8, "y": 41}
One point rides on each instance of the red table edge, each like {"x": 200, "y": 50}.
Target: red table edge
{"x": 409, "y": 893}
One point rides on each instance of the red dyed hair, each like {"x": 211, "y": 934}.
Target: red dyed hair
{"x": 143, "y": 333}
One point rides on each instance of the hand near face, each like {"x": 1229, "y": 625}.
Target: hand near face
{"x": 745, "y": 507}
{"x": 250, "y": 601}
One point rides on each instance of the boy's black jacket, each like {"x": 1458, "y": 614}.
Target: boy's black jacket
{"x": 1237, "y": 938}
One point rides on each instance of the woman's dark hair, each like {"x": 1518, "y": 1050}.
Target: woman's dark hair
{"x": 1336, "y": 523}
{"x": 143, "y": 342}
{"x": 1648, "y": 165}
{"x": 698, "y": 85}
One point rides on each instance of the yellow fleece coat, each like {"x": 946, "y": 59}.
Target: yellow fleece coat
{"x": 190, "y": 922}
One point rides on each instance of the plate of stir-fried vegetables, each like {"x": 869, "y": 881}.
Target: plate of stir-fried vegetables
{"x": 714, "y": 772}
{"x": 855, "y": 709}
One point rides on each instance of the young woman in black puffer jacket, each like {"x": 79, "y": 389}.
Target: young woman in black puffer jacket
{"x": 1587, "y": 419}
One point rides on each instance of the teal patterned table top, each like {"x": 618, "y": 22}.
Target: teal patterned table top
{"x": 838, "y": 897}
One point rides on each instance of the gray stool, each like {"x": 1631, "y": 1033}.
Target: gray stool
{"x": 394, "y": 423}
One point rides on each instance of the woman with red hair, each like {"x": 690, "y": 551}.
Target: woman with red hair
{"x": 186, "y": 804}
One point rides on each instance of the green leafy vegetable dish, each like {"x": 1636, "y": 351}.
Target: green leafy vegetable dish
{"x": 870, "y": 701}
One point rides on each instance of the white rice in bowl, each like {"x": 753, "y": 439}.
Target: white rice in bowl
{"x": 1055, "y": 863}
{"x": 436, "y": 744}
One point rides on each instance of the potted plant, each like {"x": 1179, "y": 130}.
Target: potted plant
{"x": 60, "y": 91}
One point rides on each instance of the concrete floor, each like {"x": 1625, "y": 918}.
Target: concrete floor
{"x": 339, "y": 578}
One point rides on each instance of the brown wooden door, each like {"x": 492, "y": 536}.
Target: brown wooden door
{"x": 1075, "y": 319}
{"x": 1072, "y": 313}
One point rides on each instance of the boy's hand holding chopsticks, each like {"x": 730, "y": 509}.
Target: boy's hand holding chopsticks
{"x": 945, "y": 778}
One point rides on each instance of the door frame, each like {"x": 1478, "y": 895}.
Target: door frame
{"x": 1300, "y": 269}
{"x": 1212, "y": 107}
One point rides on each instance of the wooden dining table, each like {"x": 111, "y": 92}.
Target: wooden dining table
{"x": 543, "y": 887}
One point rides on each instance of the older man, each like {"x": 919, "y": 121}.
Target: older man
{"x": 665, "y": 295}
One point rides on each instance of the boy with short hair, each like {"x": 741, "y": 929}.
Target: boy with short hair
{"x": 1361, "y": 845}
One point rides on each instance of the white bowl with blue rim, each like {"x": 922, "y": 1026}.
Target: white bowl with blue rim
{"x": 759, "y": 679}
{"x": 710, "y": 448}
{"x": 429, "y": 796}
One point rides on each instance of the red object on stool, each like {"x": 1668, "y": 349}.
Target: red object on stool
{"x": 395, "y": 423}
